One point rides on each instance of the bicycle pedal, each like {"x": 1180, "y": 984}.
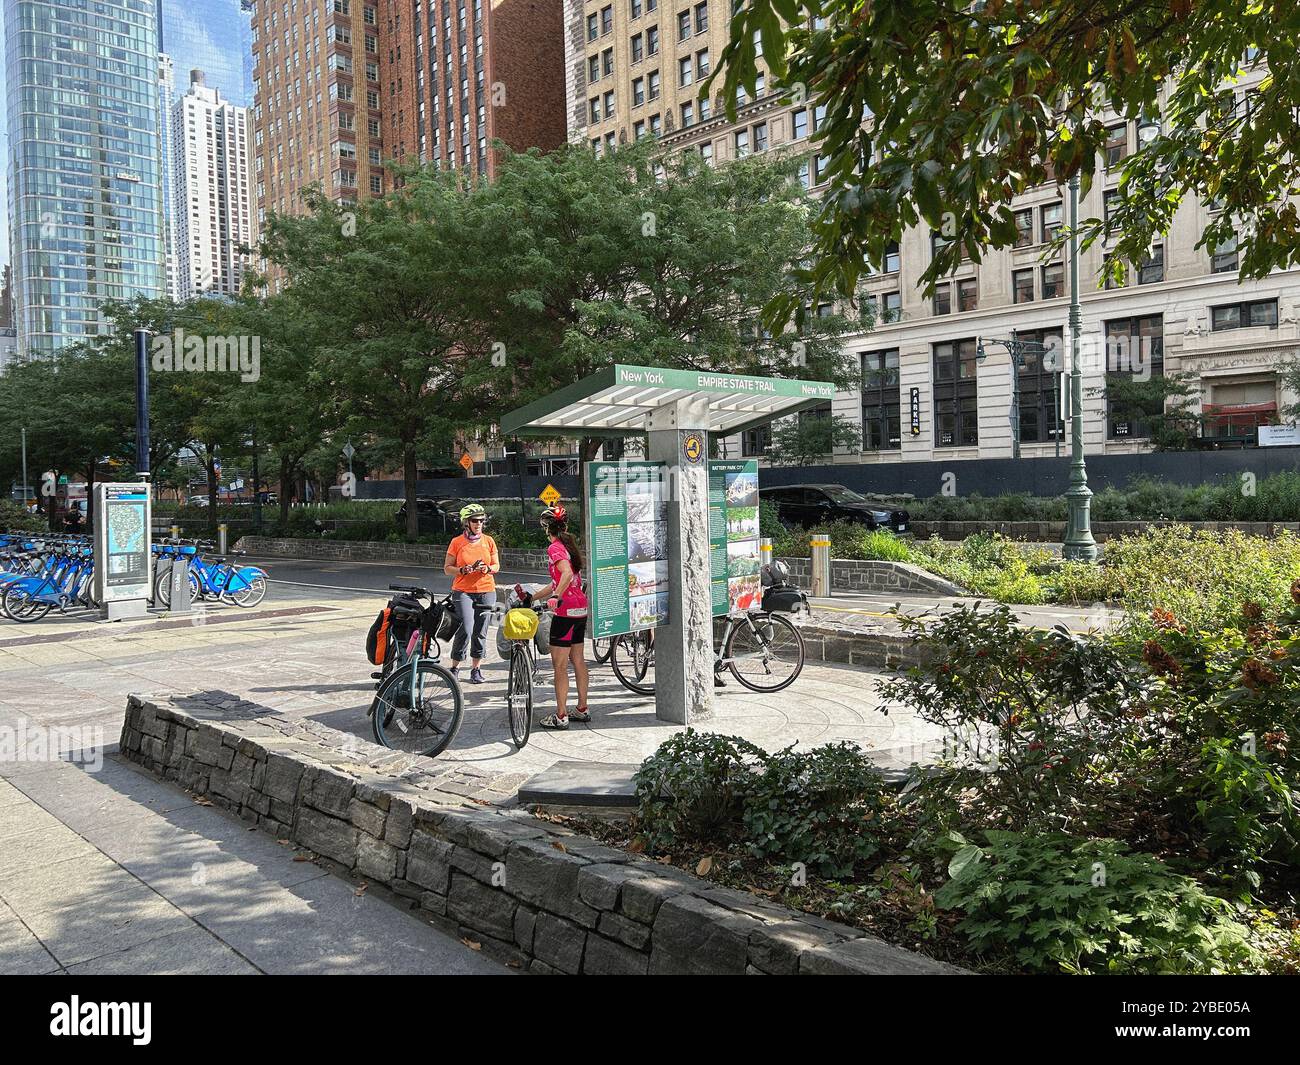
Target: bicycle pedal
{"x": 377, "y": 675}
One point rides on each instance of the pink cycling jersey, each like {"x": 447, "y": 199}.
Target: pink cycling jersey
{"x": 574, "y": 599}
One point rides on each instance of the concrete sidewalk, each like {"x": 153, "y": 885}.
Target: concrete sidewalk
{"x": 114, "y": 872}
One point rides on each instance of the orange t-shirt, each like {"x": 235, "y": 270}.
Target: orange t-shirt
{"x": 461, "y": 552}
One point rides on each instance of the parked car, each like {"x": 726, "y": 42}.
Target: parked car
{"x": 436, "y": 516}
{"x": 819, "y": 504}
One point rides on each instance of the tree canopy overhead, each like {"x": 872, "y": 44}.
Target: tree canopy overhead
{"x": 939, "y": 113}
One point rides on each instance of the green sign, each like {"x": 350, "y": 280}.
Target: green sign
{"x": 627, "y": 541}
{"x": 734, "y": 563}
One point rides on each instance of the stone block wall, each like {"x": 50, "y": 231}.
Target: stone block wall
{"x": 535, "y": 895}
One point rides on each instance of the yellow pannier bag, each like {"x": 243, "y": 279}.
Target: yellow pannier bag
{"x": 519, "y": 624}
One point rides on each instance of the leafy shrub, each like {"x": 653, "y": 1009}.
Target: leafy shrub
{"x": 1079, "y": 583}
{"x": 14, "y": 517}
{"x": 1202, "y": 577}
{"x": 1029, "y": 714}
{"x": 821, "y": 807}
{"x": 693, "y": 787}
{"x": 1088, "y": 906}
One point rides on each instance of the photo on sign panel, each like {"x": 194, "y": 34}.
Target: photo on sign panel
{"x": 648, "y": 610}
{"x": 742, "y": 558}
{"x": 647, "y": 578}
{"x": 742, "y": 523}
{"x": 745, "y": 593}
{"x": 647, "y": 541}
{"x": 742, "y": 490}
{"x": 640, "y": 508}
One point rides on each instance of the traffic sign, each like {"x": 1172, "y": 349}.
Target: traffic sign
{"x": 550, "y": 495}
{"x": 466, "y": 462}
{"x": 349, "y": 451}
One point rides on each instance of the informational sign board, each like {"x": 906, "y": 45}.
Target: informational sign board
{"x": 627, "y": 547}
{"x": 734, "y": 562}
{"x": 123, "y": 564}
{"x": 1279, "y": 435}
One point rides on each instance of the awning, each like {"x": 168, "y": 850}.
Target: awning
{"x": 618, "y": 401}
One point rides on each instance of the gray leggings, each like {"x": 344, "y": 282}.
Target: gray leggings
{"x": 470, "y": 622}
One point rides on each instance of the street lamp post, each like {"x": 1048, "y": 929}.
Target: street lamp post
{"x": 142, "y": 403}
{"x": 1079, "y": 544}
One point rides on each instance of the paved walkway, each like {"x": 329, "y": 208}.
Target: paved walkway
{"x": 114, "y": 872}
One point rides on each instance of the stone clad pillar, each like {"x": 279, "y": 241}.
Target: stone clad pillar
{"x": 684, "y": 647}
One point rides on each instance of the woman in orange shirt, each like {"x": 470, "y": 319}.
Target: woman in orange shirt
{"x": 472, "y": 560}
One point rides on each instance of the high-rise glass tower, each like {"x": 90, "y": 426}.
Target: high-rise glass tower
{"x": 211, "y": 36}
{"x": 85, "y": 188}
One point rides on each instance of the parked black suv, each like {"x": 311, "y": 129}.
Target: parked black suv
{"x": 436, "y": 516}
{"x": 820, "y": 504}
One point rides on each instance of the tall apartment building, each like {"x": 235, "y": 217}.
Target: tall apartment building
{"x": 211, "y": 184}
{"x": 85, "y": 206}
{"x": 211, "y": 35}
{"x": 342, "y": 86}
{"x": 459, "y": 74}
{"x": 166, "y": 90}
{"x": 633, "y": 68}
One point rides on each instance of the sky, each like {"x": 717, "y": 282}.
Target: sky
{"x": 211, "y": 35}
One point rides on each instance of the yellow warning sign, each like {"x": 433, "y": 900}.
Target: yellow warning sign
{"x": 466, "y": 462}
{"x": 550, "y": 495}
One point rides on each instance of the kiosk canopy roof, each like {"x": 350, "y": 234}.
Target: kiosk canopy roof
{"x": 618, "y": 401}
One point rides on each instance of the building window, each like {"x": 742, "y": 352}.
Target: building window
{"x": 688, "y": 116}
{"x": 656, "y": 125}
{"x": 1037, "y": 394}
{"x": 1135, "y": 348}
{"x": 1116, "y": 145}
{"x": 805, "y": 174}
{"x": 607, "y": 62}
{"x": 1025, "y": 228}
{"x": 638, "y": 48}
{"x": 704, "y": 108}
{"x": 742, "y": 143}
{"x": 701, "y": 17}
{"x": 893, "y": 262}
{"x": 760, "y": 137}
{"x": 652, "y": 83}
{"x": 1153, "y": 269}
{"x": 1111, "y": 200}
{"x": 967, "y": 294}
{"x": 755, "y": 442}
{"x": 593, "y": 68}
{"x": 881, "y": 420}
{"x": 638, "y": 92}
{"x": 799, "y": 123}
{"x": 891, "y": 307}
{"x": 702, "y": 64}
{"x": 652, "y": 41}
{"x": 1051, "y": 221}
{"x": 956, "y": 415}
{"x": 607, "y": 20}
{"x": 1224, "y": 258}
{"x": 1053, "y": 281}
{"x": 684, "y": 69}
{"x": 706, "y": 152}
{"x": 683, "y": 24}
{"x": 609, "y": 104}
{"x": 636, "y": 8}
{"x": 638, "y": 129}
{"x": 593, "y": 27}
{"x": 1244, "y": 315}
{"x": 1022, "y": 286}
{"x": 943, "y": 299}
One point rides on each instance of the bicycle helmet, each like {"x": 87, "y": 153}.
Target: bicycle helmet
{"x": 555, "y": 515}
{"x": 472, "y": 510}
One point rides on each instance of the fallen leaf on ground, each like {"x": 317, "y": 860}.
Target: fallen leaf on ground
{"x": 472, "y": 945}
{"x": 202, "y": 802}
{"x": 361, "y": 890}
{"x": 283, "y": 842}
{"x": 704, "y": 865}
{"x": 637, "y": 846}
{"x": 302, "y": 857}
{"x": 559, "y": 846}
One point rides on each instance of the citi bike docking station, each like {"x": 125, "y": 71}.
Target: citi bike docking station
{"x": 673, "y": 541}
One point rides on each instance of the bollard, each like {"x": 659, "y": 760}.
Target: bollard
{"x": 821, "y": 565}
{"x": 176, "y": 532}
{"x": 223, "y": 531}
{"x": 765, "y": 552}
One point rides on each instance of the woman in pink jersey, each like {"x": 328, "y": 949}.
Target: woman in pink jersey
{"x": 568, "y": 601}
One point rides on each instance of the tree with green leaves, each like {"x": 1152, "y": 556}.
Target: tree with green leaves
{"x": 805, "y": 441}
{"x": 939, "y": 114}
{"x": 392, "y": 288}
{"x": 1164, "y": 406}
{"x": 642, "y": 257}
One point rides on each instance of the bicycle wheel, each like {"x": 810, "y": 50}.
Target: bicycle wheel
{"x": 633, "y": 659}
{"x": 519, "y": 697}
{"x": 425, "y": 724}
{"x": 602, "y": 648}
{"x": 252, "y": 594}
{"x": 19, "y": 606}
{"x": 764, "y": 652}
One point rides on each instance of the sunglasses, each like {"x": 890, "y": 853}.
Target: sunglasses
{"x": 472, "y": 520}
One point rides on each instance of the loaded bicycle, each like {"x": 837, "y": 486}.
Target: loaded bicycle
{"x": 762, "y": 649}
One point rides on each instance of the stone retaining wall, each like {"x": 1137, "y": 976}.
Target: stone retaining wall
{"x": 535, "y": 895}
{"x": 1054, "y": 531}
{"x": 887, "y": 578}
